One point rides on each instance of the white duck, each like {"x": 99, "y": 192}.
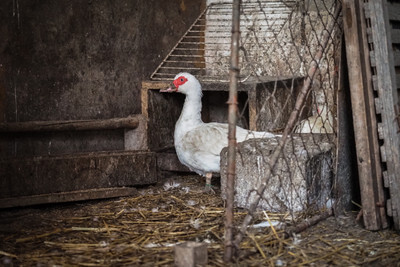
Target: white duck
{"x": 321, "y": 122}
{"x": 198, "y": 144}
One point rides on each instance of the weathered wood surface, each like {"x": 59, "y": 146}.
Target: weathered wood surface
{"x": 191, "y": 254}
{"x": 71, "y": 196}
{"x": 74, "y": 125}
{"x": 170, "y": 162}
{"x": 395, "y": 35}
{"x": 47, "y": 175}
{"x": 387, "y": 96}
{"x": 136, "y": 139}
{"x": 364, "y": 118}
{"x": 393, "y": 10}
{"x": 346, "y": 166}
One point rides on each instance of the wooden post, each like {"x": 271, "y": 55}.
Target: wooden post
{"x": 191, "y": 254}
{"x": 131, "y": 122}
{"x": 233, "y": 86}
{"x": 364, "y": 117}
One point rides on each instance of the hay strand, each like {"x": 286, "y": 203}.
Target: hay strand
{"x": 143, "y": 230}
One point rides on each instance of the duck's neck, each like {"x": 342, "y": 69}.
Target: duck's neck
{"x": 190, "y": 116}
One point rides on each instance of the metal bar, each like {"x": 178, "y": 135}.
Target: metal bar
{"x": 179, "y": 68}
{"x": 196, "y": 43}
{"x": 182, "y": 56}
{"x": 233, "y": 85}
{"x": 189, "y": 61}
{"x": 190, "y": 49}
{"x": 176, "y": 45}
{"x": 194, "y": 36}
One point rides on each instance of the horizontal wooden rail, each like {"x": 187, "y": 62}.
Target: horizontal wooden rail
{"x": 130, "y": 122}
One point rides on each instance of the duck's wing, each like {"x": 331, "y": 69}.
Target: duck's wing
{"x": 202, "y": 146}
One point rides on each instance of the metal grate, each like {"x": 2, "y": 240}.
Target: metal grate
{"x": 204, "y": 49}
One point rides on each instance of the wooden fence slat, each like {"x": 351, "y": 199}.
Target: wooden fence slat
{"x": 395, "y": 34}
{"x": 394, "y": 11}
{"x": 396, "y": 58}
{"x": 364, "y": 120}
{"x": 388, "y": 97}
{"x": 398, "y": 80}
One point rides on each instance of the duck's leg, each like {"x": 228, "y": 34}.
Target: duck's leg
{"x": 208, "y": 187}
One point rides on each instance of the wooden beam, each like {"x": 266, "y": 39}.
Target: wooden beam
{"x": 63, "y": 197}
{"x": 396, "y": 58}
{"x": 364, "y": 118}
{"x": 39, "y": 179}
{"x": 395, "y": 34}
{"x": 394, "y": 11}
{"x": 170, "y": 162}
{"x": 131, "y": 122}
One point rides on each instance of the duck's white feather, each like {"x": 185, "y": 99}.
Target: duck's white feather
{"x": 198, "y": 144}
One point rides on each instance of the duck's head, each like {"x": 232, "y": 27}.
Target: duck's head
{"x": 184, "y": 83}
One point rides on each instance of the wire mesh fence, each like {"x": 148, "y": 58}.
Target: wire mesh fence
{"x": 291, "y": 51}
{"x": 289, "y": 57}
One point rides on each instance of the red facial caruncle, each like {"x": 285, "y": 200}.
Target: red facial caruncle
{"x": 179, "y": 81}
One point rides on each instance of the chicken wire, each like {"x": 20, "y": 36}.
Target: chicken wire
{"x": 290, "y": 51}
{"x": 289, "y": 43}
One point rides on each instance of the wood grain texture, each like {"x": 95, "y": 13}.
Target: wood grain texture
{"x": 365, "y": 126}
{"x": 382, "y": 35}
{"x": 72, "y": 125}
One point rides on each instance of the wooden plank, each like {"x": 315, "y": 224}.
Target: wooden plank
{"x": 147, "y": 85}
{"x": 394, "y": 11}
{"x": 398, "y": 80}
{"x": 372, "y": 59}
{"x": 136, "y": 139}
{"x": 170, "y": 162}
{"x": 73, "y": 125}
{"x": 345, "y": 153}
{"x": 190, "y": 254}
{"x": 395, "y": 34}
{"x": 396, "y": 58}
{"x": 387, "y": 93}
{"x": 3, "y": 91}
{"x": 47, "y": 175}
{"x": 364, "y": 121}
{"x": 63, "y": 197}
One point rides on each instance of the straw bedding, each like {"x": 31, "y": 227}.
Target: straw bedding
{"x": 143, "y": 229}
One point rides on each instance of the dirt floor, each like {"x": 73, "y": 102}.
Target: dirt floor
{"x": 142, "y": 230}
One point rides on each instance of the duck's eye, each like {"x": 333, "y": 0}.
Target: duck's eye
{"x": 179, "y": 81}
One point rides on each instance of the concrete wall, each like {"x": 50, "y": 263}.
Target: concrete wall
{"x": 83, "y": 59}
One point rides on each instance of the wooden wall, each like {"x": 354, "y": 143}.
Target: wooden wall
{"x": 73, "y": 60}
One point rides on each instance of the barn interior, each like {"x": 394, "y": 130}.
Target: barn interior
{"x": 88, "y": 169}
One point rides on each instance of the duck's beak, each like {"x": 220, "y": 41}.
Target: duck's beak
{"x": 170, "y": 89}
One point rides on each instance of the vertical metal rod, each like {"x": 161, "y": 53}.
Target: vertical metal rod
{"x": 234, "y": 76}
